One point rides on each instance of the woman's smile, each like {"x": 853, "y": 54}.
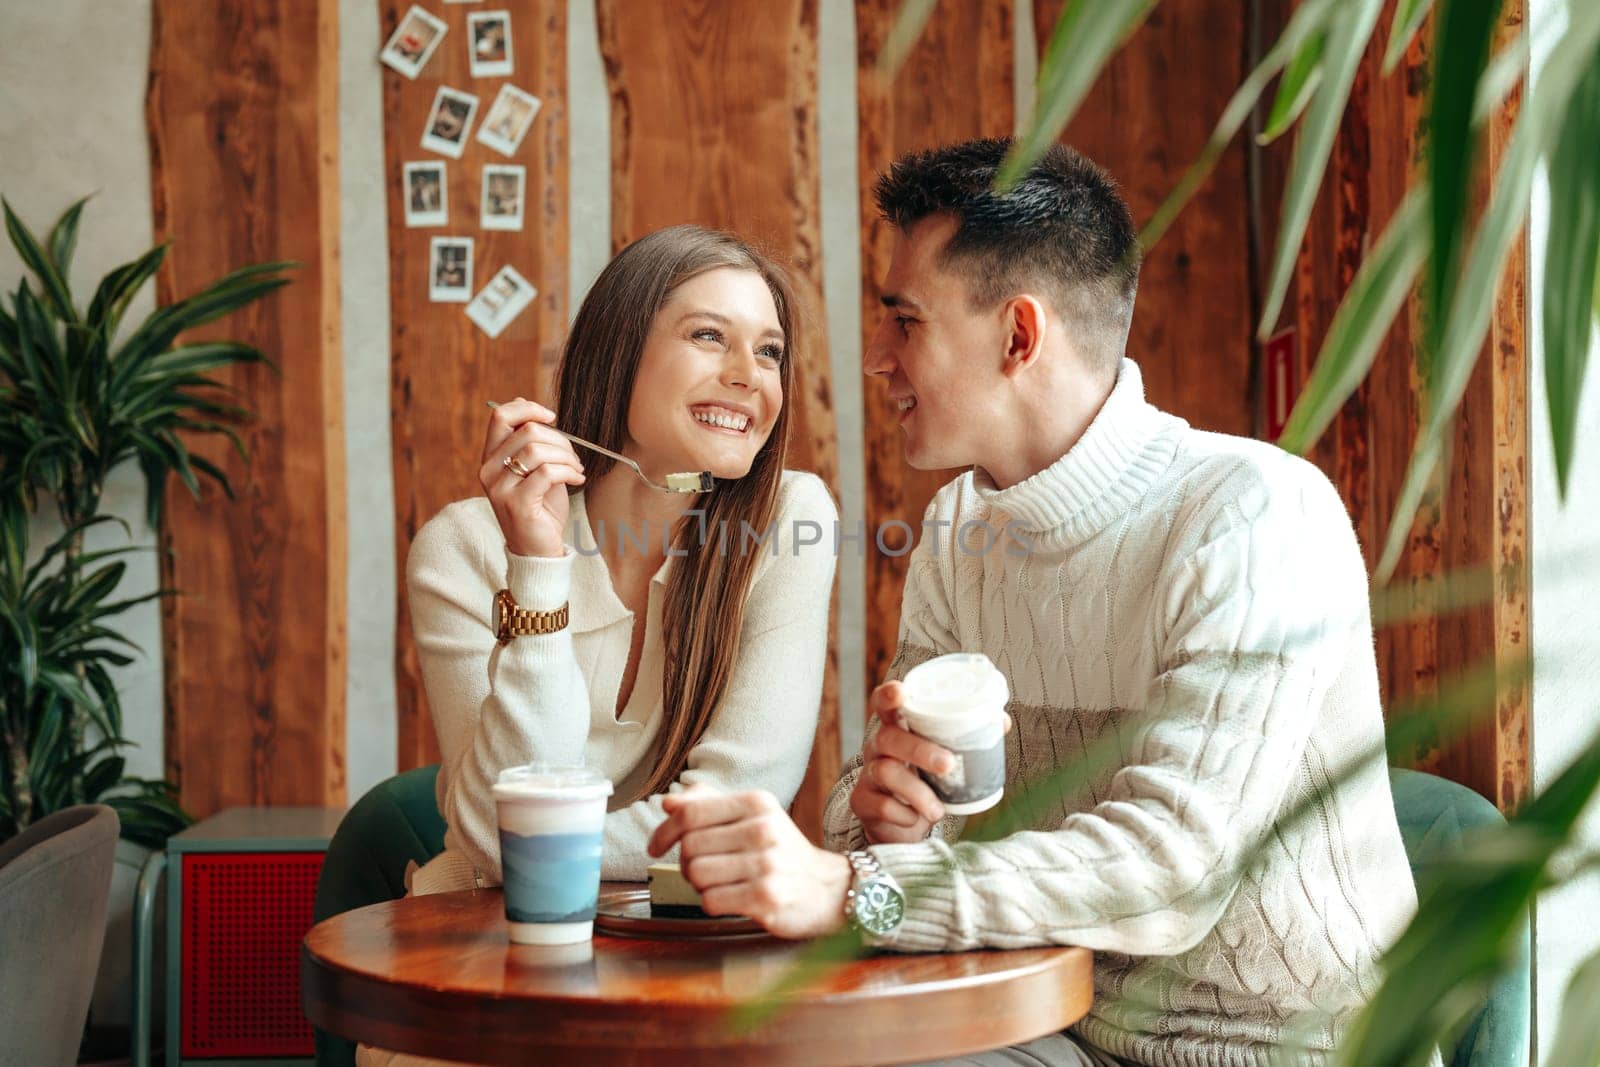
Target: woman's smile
{"x": 726, "y": 419}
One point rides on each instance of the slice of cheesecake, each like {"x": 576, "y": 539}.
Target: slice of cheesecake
{"x": 671, "y": 895}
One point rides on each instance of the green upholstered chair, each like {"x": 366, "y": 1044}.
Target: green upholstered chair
{"x": 1433, "y": 813}
{"x": 395, "y": 822}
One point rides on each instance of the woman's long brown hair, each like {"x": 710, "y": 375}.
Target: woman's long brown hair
{"x": 704, "y": 608}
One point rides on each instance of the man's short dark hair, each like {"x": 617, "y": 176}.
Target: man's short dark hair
{"x": 1063, "y": 231}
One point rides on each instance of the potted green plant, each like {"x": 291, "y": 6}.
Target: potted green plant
{"x": 82, "y": 392}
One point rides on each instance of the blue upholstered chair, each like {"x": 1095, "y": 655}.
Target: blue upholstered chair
{"x": 1433, "y": 813}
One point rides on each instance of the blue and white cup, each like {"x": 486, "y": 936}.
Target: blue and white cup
{"x": 552, "y": 826}
{"x": 958, "y": 701}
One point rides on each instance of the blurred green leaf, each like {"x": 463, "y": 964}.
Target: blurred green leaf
{"x": 908, "y": 23}
{"x": 1307, "y": 19}
{"x": 1470, "y": 914}
{"x": 1414, "y": 488}
{"x": 1375, "y": 297}
{"x": 1408, "y": 18}
{"x": 819, "y": 957}
{"x": 1537, "y": 127}
{"x": 1505, "y": 72}
{"x": 1086, "y": 36}
{"x": 1577, "y": 1036}
{"x": 103, "y": 776}
{"x": 1430, "y": 596}
{"x": 1349, "y": 30}
{"x": 33, "y": 257}
{"x": 1569, "y": 277}
{"x": 157, "y": 334}
{"x": 64, "y": 238}
{"x": 8, "y": 342}
{"x": 118, "y": 288}
{"x": 1466, "y": 29}
{"x": 1420, "y": 727}
{"x": 1294, "y": 91}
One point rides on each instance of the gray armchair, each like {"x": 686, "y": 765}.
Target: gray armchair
{"x": 55, "y": 882}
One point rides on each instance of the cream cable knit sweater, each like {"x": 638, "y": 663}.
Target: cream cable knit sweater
{"x": 553, "y": 697}
{"x": 1200, "y": 603}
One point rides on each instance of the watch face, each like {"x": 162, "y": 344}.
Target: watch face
{"x": 879, "y": 907}
{"x": 501, "y": 622}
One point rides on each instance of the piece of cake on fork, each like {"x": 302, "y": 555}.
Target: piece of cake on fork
{"x": 671, "y": 895}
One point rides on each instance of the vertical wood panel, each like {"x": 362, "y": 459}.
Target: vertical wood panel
{"x": 443, "y": 366}
{"x": 1501, "y": 753}
{"x": 1145, "y": 121}
{"x": 714, "y": 121}
{"x": 243, "y": 119}
{"x": 1477, "y": 515}
{"x": 956, "y": 84}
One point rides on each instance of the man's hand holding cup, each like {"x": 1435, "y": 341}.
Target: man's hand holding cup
{"x": 892, "y": 801}
{"x": 909, "y": 781}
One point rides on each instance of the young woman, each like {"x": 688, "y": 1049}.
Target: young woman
{"x": 682, "y": 648}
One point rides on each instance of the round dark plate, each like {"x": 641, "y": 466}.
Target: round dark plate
{"x": 626, "y": 913}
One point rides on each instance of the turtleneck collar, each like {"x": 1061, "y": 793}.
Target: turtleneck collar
{"x": 1125, "y": 448}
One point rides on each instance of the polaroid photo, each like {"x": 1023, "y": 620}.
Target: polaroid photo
{"x": 425, "y": 192}
{"x": 450, "y": 270}
{"x": 503, "y": 186}
{"x": 501, "y": 301}
{"x": 448, "y": 122}
{"x": 508, "y": 120}
{"x": 489, "y": 43}
{"x": 413, "y": 42}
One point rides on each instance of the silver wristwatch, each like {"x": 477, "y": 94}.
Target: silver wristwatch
{"x": 874, "y": 903}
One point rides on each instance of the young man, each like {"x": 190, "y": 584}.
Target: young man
{"x": 1193, "y": 604}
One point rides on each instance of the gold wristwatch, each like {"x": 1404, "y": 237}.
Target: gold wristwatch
{"x": 511, "y": 621}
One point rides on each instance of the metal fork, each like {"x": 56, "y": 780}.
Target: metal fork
{"x": 682, "y": 482}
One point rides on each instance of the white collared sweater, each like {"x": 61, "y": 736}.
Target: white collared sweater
{"x": 553, "y": 697}
{"x": 1183, "y": 619}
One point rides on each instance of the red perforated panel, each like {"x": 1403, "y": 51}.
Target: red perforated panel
{"x": 244, "y": 916}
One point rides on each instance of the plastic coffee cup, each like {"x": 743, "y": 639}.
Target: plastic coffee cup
{"x": 552, "y": 827}
{"x": 958, "y": 701}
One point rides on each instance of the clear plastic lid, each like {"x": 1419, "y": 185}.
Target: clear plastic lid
{"x": 564, "y": 781}
{"x": 956, "y": 684}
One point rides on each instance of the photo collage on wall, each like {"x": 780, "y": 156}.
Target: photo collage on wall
{"x": 450, "y": 122}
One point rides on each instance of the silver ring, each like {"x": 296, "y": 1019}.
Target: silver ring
{"x": 514, "y": 465}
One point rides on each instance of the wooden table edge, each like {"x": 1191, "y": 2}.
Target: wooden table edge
{"x": 931, "y": 1020}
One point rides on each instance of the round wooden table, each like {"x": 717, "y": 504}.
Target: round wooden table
{"x": 437, "y": 976}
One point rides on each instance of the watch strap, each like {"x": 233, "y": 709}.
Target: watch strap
{"x": 865, "y": 869}
{"x": 513, "y": 621}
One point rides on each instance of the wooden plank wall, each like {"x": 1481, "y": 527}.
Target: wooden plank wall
{"x": 1480, "y": 514}
{"x": 242, "y": 110}
{"x": 956, "y": 84}
{"x": 714, "y": 121}
{"x": 443, "y": 366}
{"x": 1145, "y": 121}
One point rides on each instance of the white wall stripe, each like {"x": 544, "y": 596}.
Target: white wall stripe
{"x": 588, "y": 153}
{"x": 371, "y": 735}
{"x": 838, "y": 133}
